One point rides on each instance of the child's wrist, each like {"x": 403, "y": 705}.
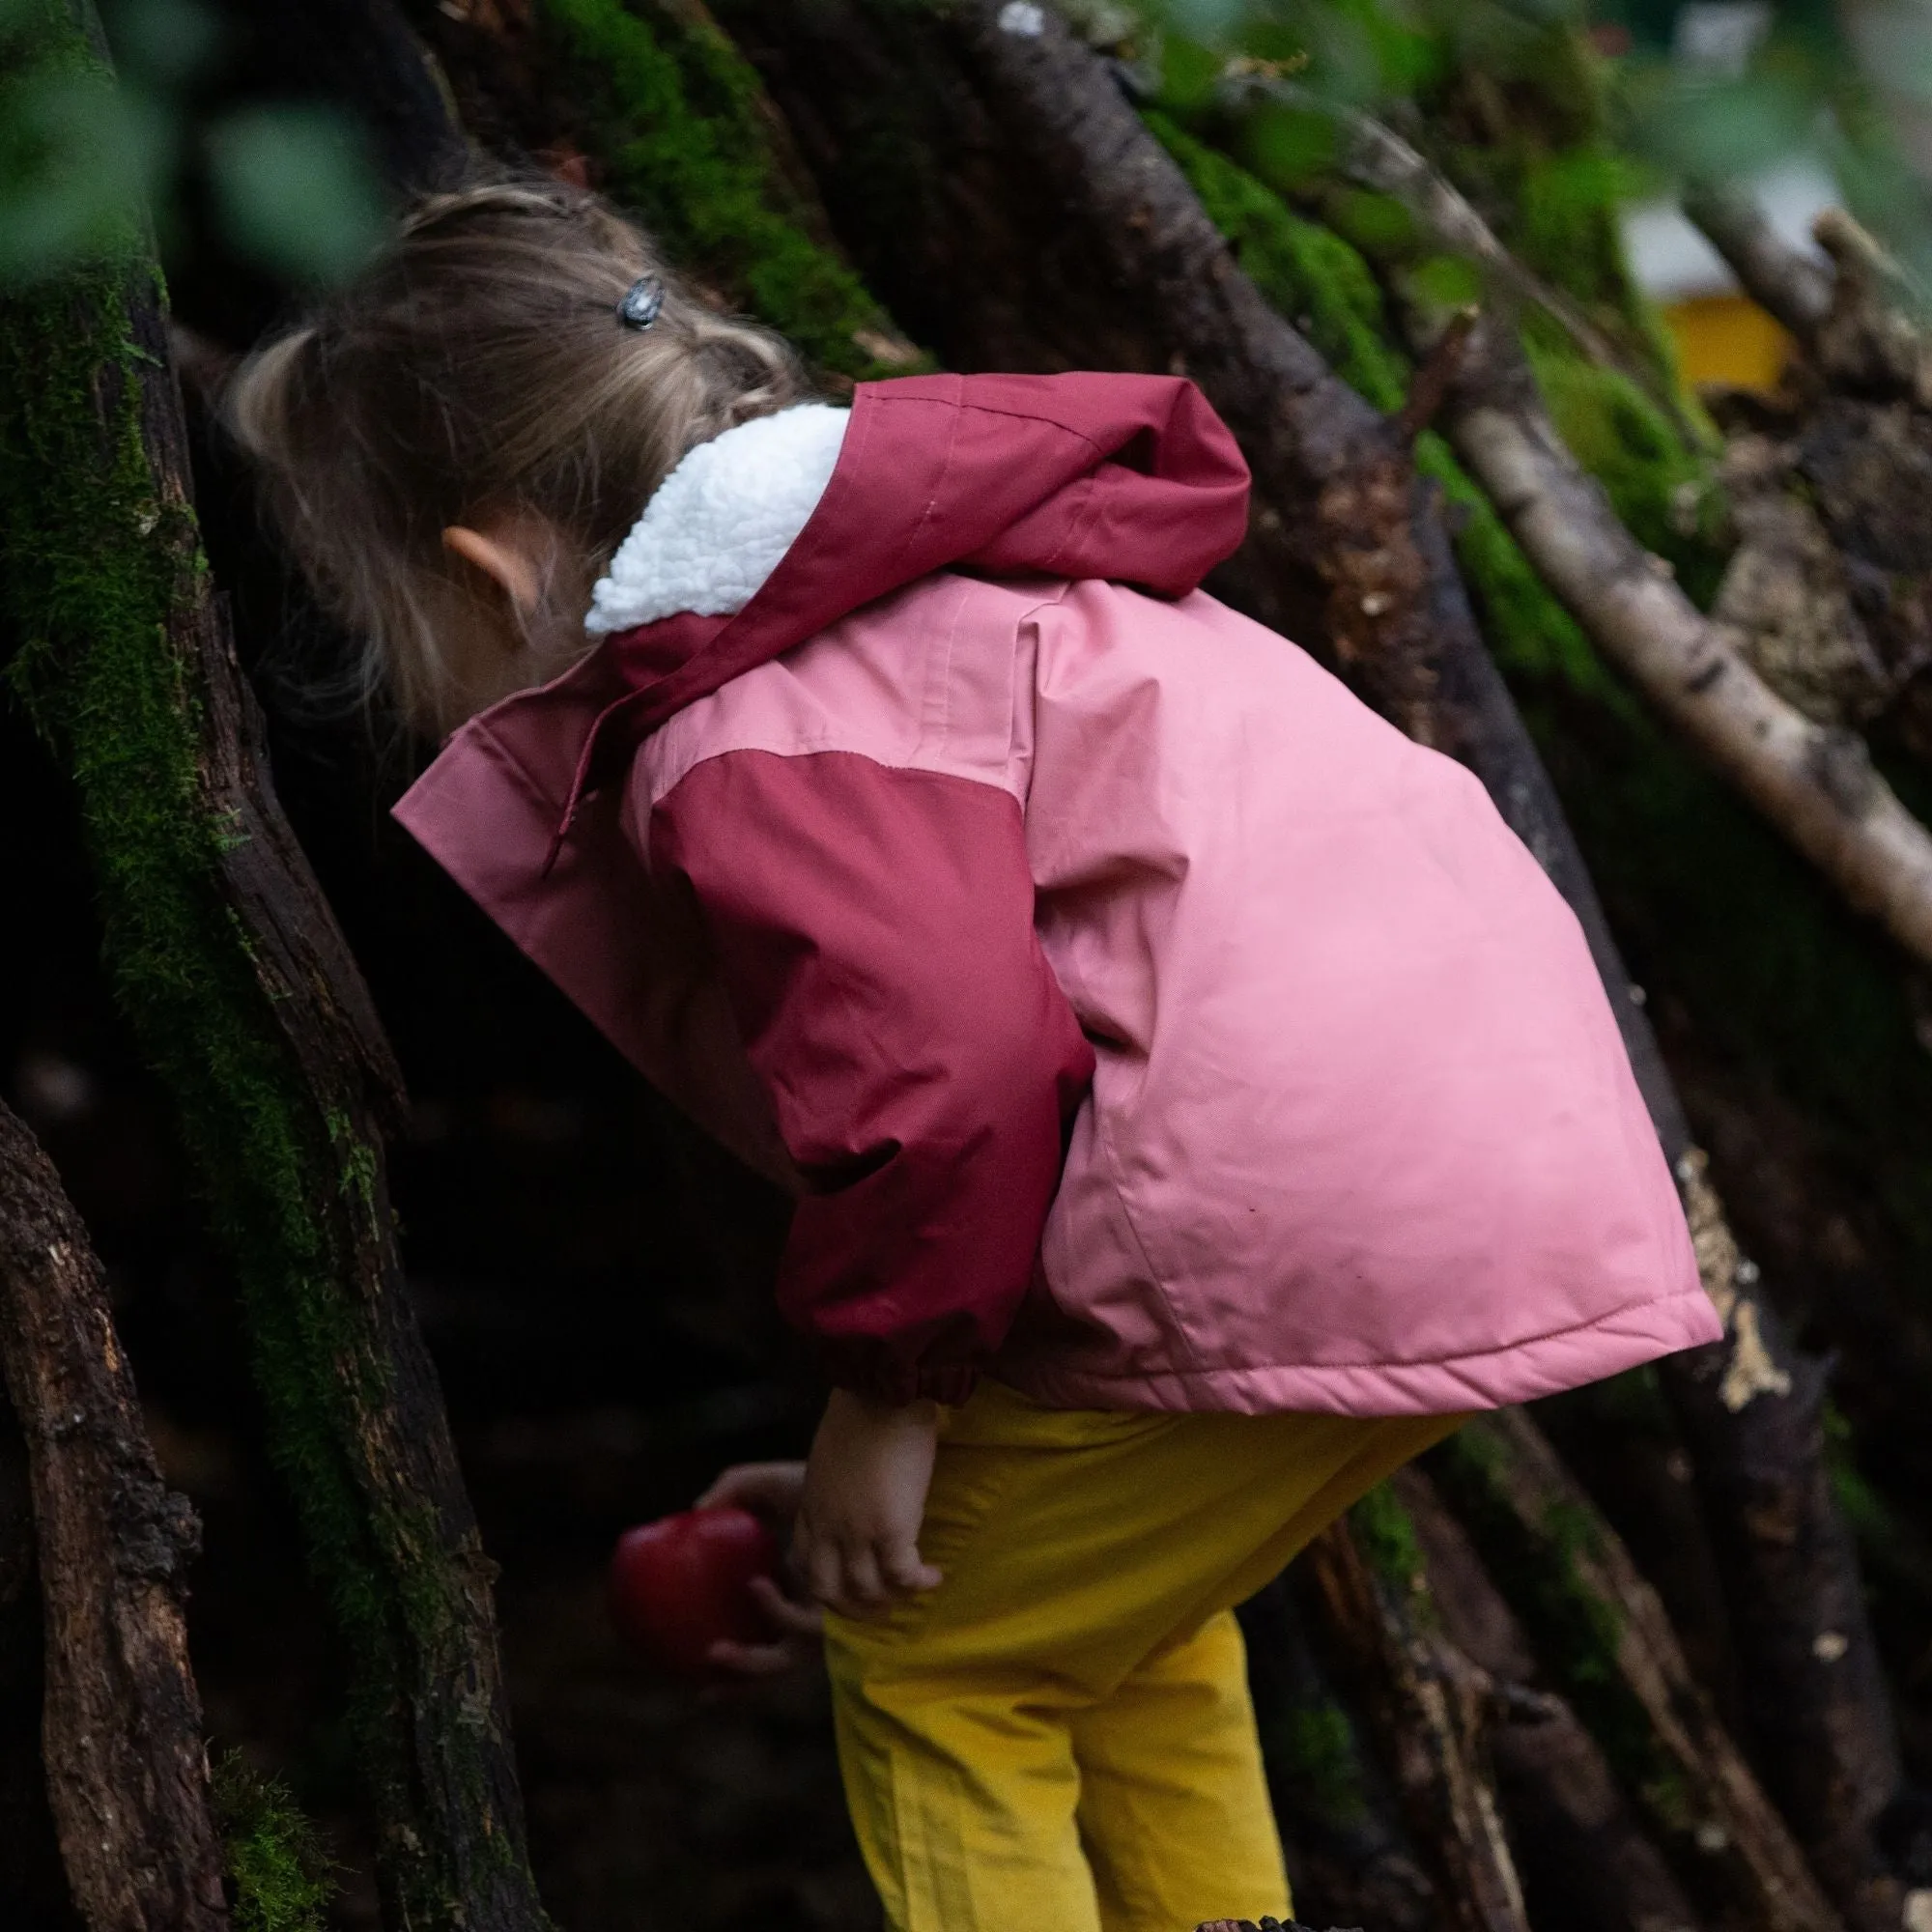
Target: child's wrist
{"x": 919, "y": 1413}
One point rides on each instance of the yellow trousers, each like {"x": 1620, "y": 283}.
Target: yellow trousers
{"x": 1060, "y": 1735}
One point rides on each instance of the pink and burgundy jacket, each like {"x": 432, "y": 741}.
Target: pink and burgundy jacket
{"x": 1133, "y": 1013}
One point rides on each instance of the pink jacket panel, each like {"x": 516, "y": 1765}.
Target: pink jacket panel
{"x": 1361, "y": 1135}
{"x": 1320, "y": 972}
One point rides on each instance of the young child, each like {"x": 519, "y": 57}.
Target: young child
{"x": 1195, "y": 1099}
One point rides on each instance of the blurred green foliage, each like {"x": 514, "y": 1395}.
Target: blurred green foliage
{"x": 1847, "y": 88}
{"x": 88, "y": 153}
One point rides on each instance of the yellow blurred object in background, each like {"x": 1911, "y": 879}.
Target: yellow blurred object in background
{"x": 1724, "y": 338}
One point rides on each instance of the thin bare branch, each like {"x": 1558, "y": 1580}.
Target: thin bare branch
{"x": 1787, "y": 285}
{"x": 1815, "y": 783}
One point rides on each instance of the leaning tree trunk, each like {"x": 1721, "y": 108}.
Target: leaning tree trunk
{"x": 31, "y": 1877}
{"x": 1428, "y": 1701}
{"x": 126, "y": 1769}
{"x": 244, "y": 996}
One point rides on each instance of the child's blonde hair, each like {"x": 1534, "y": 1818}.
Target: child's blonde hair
{"x": 480, "y": 366}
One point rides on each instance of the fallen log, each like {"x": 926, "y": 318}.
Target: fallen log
{"x": 126, "y": 1771}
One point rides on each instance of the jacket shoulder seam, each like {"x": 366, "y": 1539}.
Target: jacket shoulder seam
{"x": 911, "y": 763}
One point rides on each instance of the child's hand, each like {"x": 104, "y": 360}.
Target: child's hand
{"x": 768, "y": 1489}
{"x": 855, "y": 1546}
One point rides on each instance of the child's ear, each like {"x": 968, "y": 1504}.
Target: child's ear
{"x": 506, "y": 553}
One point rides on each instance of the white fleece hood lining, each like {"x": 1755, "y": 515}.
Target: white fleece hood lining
{"x": 720, "y": 521}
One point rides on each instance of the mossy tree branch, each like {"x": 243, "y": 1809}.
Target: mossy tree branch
{"x": 674, "y": 125}
{"x": 1428, "y": 1700}
{"x": 241, "y": 991}
{"x": 1603, "y": 1635}
{"x": 1582, "y": 1848}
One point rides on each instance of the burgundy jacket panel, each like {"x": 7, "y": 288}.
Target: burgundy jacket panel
{"x": 873, "y": 928}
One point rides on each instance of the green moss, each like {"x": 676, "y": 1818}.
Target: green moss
{"x": 1327, "y": 288}
{"x": 1664, "y": 492}
{"x": 1315, "y": 1762}
{"x": 280, "y": 1878}
{"x": 1576, "y": 1631}
{"x": 675, "y": 115}
{"x": 1321, "y": 283}
{"x": 1386, "y": 1538}
{"x": 100, "y": 575}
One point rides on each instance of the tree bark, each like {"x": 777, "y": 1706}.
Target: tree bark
{"x": 1816, "y": 784}
{"x": 1586, "y": 1861}
{"x": 1349, "y": 1853}
{"x": 126, "y": 1766}
{"x": 31, "y": 1879}
{"x": 1611, "y": 1649}
{"x": 243, "y": 994}
{"x": 1818, "y": 1714}
{"x": 1792, "y": 288}
{"x": 1427, "y": 1699}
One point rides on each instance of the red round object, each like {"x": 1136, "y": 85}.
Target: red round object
{"x": 679, "y": 1584}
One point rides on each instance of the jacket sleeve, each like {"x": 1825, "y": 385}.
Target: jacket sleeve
{"x": 874, "y": 930}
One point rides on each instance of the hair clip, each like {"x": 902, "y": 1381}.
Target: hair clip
{"x": 642, "y": 303}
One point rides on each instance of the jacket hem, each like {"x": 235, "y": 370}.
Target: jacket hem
{"x": 1490, "y": 1379}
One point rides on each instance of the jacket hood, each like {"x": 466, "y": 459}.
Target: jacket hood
{"x": 1129, "y": 477}
{"x": 1132, "y": 478}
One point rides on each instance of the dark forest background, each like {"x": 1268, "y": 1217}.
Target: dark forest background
{"x": 1463, "y": 1695}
